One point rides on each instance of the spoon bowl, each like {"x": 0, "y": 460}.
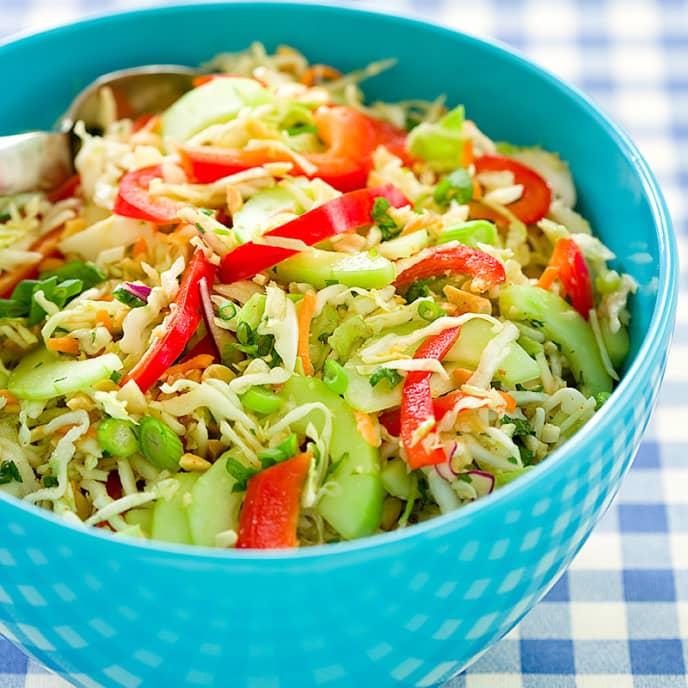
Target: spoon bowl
{"x": 39, "y": 160}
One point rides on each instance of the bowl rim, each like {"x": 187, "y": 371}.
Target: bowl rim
{"x": 656, "y": 340}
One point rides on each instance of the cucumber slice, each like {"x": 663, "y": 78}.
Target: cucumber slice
{"x": 214, "y": 507}
{"x": 44, "y": 375}
{"x": 617, "y": 343}
{"x": 213, "y": 103}
{"x": 142, "y": 517}
{"x": 171, "y": 516}
{"x": 355, "y": 508}
{"x": 516, "y": 367}
{"x": 405, "y": 246}
{"x": 321, "y": 268}
{"x": 255, "y": 214}
{"x": 564, "y": 326}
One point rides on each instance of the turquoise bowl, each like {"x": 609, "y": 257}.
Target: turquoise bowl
{"x": 408, "y": 608}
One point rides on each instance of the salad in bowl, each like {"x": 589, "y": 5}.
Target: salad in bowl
{"x": 275, "y": 315}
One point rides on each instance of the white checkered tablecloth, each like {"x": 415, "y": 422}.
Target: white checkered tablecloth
{"x": 619, "y": 617}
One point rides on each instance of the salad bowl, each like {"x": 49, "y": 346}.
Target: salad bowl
{"x": 411, "y": 607}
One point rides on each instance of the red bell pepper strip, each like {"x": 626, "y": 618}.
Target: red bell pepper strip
{"x": 181, "y": 326}
{"x": 134, "y": 199}
{"x": 418, "y": 421}
{"x": 441, "y": 406}
{"x": 204, "y": 347}
{"x": 342, "y": 214}
{"x": 568, "y": 265}
{"x": 391, "y": 420}
{"x": 350, "y": 138}
{"x": 534, "y": 202}
{"x": 485, "y": 270}
{"x": 270, "y": 512}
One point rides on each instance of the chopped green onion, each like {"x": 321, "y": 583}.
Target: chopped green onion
{"x": 116, "y": 375}
{"x": 430, "y": 311}
{"x": 118, "y": 437}
{"x": 50, "y": 481}
{"x": 11, "y": 309}
{"x": 261, "y": 401}
{"x": 335, "y": 377}
{"x": 244, "y": 333}
{"x": 238, "y": 471}
{"x": 127, "y": 298}
{"x": 389, "y": 375}
{"x": 160, "y": 445}
{"x": 227, "y": 311}
{"x": 470, "y": 233}
{"x": 607, "y": 282}
{"x": 457, "y": 185}
{"x": 265, "y": 344}
{"x": 283, "y": 451}
{"x": 9, "y": 472}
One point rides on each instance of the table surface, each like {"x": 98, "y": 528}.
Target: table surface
{"x": 619, "y": 617}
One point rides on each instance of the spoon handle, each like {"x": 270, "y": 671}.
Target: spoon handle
{"x": 37, "y": 161}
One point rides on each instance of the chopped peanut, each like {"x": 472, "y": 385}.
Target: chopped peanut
{"x": 191, "y": 462}
{"x": 467, "y": 302}
{"x": 215, "y": 448}
{"x": 218, "y": 372}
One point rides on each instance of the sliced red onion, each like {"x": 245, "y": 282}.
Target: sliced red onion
{"x": 140, "y": 291}
{"x": 219, "y": 336}
{"x": 482, "y": 482}
{"x": 445, "y": 470}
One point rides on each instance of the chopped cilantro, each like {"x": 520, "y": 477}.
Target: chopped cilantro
{"x": 241, "y": 474}
{"x": 389, "y": 375}
{"x": 9, "y": 472}
{"x": 388, "y": 227}
{"x": 523, "y": 428}
{"x": 418, "y": 290}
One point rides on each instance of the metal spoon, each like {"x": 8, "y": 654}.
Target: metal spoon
{"x": 41, "y": 160}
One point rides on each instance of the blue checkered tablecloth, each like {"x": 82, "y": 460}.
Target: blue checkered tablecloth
{"x": 619, "y": 617}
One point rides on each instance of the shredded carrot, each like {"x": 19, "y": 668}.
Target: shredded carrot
{"x": 140, "y": 247}
{"x": 50, "y": 263}
{"x": 65, "y": 345}
{"x": 367, "y": 429}
{"x": 8, "y": 396}
{"x": 103, "y": 318}
{"x": 200, "y": 362}
{"x": 467, "y": 153}
{"x": 477, "y": 190}
{"x": 318, "y": 73}
{"x": 547, "y": 277}
{"x": 73, "y": 226}
{"x": 510, "y": 402}
{"x": 305, "y": 316}
{"x": 460, "y": 375}
{"x": 64, "y": 429}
